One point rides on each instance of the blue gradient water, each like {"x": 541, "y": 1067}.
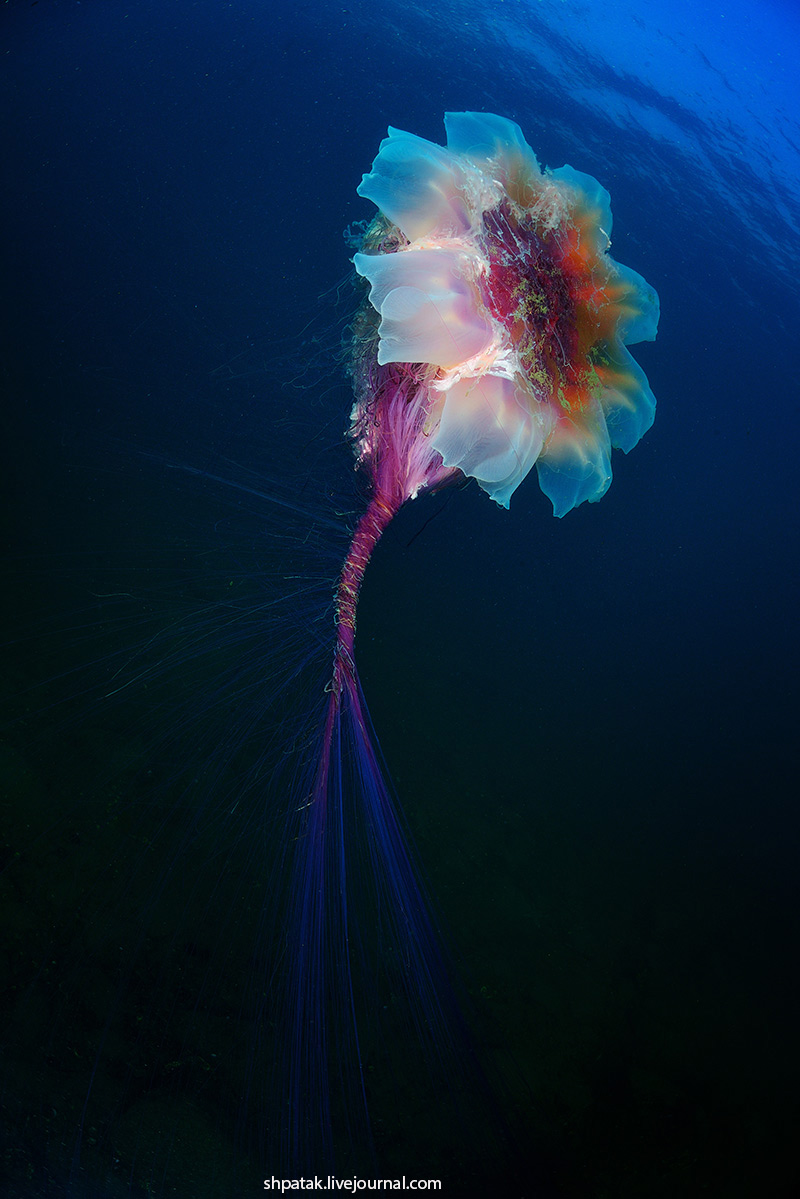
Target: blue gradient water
{"x": 590, "y": 722}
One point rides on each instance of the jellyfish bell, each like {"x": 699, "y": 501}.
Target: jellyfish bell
{"x": 494, "y": 290}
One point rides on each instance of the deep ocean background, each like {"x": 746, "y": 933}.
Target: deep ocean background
{"x": 591, "y": 723}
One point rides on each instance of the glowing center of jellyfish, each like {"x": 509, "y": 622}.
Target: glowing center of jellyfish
{"x": 531, "y": 294}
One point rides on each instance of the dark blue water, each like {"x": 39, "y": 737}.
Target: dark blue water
{"x": 591, "y": 723}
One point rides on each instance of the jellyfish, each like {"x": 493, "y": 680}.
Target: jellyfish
{"x": 491, "y": 339}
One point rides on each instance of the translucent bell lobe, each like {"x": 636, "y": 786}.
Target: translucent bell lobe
{"x": 429, "y": 308}
{"x": 419, "y": 186}
{"x": 492, "y": 429}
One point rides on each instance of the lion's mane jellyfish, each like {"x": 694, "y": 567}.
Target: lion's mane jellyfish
{"x": 492, "y": 339}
